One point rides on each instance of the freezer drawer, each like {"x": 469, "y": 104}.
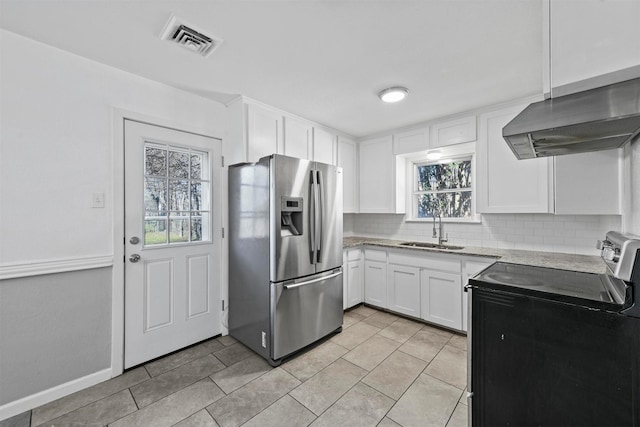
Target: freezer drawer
{"x": 304, "y": 311}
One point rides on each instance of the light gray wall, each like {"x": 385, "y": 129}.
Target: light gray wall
{"x": 53, "y": 329}
{"x": 632, "y": 208}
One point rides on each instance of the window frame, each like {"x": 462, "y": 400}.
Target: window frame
{"x": 412, "y": 185}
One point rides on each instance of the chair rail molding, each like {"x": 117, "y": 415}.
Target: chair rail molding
{"x": 52, "y": 266}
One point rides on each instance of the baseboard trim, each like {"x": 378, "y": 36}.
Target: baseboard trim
{"x": 27, "y": 403}
{"x": 36, "y": 268}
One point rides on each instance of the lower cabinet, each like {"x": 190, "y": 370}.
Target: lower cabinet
{"x": 404, "y": 289}
{"x": 354, "y": 280}
{"x": 441, "y": 298}
{"x": 375, "y": 283}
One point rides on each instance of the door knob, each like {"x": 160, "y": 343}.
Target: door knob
{"x": 134, "y": 240}
{"x": 134, "y": 258}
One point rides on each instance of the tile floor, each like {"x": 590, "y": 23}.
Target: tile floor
{"x": 382, "y": 370}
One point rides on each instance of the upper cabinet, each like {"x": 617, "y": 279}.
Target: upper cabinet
{"x": 297, "y": 138}
{"x": 504, "y": 183}
{"x": 589, "y": 38}
{"x": 348, "y": 160}
{"x": 454, "y": 131}
{"x": 323, "y": 146}
{"x": 381, "y": 177}
{"x": 256, "y": 130}
{"x": 411, "y": 141}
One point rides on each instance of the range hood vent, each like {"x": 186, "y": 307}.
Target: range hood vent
{"x": 189, "y": 37}
{"x": 598, "y": 119}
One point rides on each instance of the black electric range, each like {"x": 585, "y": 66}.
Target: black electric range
{"x": 550, "y": 347}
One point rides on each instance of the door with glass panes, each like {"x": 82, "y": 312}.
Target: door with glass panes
{"x": 172, "y": 254}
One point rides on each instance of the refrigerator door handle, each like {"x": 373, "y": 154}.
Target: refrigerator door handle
{"x": 312, "y": 217}
{"x": 309, "y": 282}
{"x": 320, "y": 216}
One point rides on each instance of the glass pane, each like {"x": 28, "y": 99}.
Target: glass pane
{"x": 155, "y": 195}
{"x": 446, "y": 176}
{"x": 179, "y": 195}
{"x": 155, "y": 161}
{"x": 178, "y": 227}
{"x": 449, "y": 205}
{"x": 200, "y": 196}
{"x": 155, "y": 230}
{"x": 196, "y": 229}
{"x": 178, "y": 164}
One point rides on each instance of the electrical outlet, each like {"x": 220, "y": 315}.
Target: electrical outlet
{"x": 264, "y": 339}
{"x": 97, "y": 200}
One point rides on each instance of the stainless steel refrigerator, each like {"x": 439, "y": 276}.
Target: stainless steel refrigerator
{"x": 285, "y": 254}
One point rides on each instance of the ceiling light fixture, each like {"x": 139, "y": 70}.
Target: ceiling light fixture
{"x": 393, "y": 94}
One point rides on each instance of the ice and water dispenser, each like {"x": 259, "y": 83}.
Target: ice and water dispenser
{"x": 291, "y": 216}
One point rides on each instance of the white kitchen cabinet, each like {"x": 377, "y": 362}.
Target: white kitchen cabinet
{"x": 264, "y": 132}
{"x": 504, "y": 183}
{"x": 345, "y": 281}
{"x": 470, "y": 268}
{"x": 589, "y": 38}
{"x": 375, "y": 277}
{"x": 323, "y": 146}
{"x": 348, "y": 161}
{"x": 354, "y": 276}
{"x": 297, "y": 138}
{"x": 404, "y": 289}
{"x": 588, "y": 183}
{"x": 454, "y": 131}
{"x": 411, "y": 141}
{"x": 382, "y": 180}
{"x": 441, "y": 298}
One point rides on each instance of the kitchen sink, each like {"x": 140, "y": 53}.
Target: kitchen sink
{"x": 430, "y": 245}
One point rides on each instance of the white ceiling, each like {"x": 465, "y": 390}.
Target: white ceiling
{"x": 321, "y": 59}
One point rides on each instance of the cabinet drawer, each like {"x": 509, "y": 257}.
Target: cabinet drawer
{"x": 375, "y": 255}
{"x": 427, "y": 261}
{"x": 354, "y": 254}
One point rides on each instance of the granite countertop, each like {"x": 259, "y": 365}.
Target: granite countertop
{"x": 583, "y": 263}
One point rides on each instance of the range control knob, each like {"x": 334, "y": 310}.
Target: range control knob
{"x": 610, "y": 254}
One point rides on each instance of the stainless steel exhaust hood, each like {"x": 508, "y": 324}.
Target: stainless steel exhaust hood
{"x": 598, "y": 119}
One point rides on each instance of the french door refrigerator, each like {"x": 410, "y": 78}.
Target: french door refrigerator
{"x": 285, "y": 254}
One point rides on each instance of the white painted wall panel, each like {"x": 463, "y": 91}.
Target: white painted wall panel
{"x": 56, "y": 146}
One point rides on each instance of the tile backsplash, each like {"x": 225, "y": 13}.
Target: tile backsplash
{"x": 574, "y": 234}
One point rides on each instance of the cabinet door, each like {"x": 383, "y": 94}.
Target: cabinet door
{"x": 375, "y": 283}
{"x": 354, "y": 273}
{"x": 347, "y": 160}
{"x": 453, "y": 132}
{"x": 404, "y": 289}
{"x": 264, "y": 134}
{"x": 441, "y": 298}
{"x": 590, "y": 38}
{"x": 588, "y": 183}
{"x": 323, "y": 146}
{"x": 297, "y": 138}
{"x": 411, "y": 141}
{"x": 504, "y": 183}
{"x": 377, "y": 181}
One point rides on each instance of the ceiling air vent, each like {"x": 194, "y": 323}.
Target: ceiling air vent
{"x": 189, "y": 37}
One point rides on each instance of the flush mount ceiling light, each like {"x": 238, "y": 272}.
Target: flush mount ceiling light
{"x": 393, "y": 94}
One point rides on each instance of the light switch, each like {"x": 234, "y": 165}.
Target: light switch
{"x": 97, "y": 200}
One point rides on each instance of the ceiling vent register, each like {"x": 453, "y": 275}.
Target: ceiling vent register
{"x": 190, "y": 38}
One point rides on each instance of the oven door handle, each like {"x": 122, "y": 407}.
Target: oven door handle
{"x": 309, "y": 282}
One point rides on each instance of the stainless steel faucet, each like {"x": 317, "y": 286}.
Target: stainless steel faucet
{"x": 439, "y": 232}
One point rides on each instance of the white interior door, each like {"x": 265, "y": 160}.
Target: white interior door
{"x": 172, "y": 240}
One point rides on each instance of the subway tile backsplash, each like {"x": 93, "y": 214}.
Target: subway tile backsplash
{"x": 574, "y": 234}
